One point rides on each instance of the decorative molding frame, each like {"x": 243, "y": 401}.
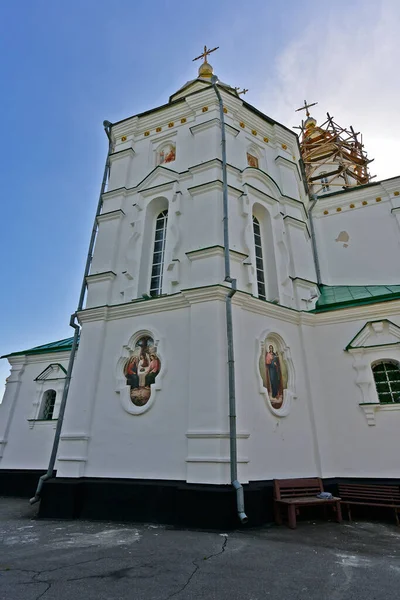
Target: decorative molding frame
{"x": 290, "y": 393}
{"x": 122, "y": 389}
{"x": 385, "y": 336}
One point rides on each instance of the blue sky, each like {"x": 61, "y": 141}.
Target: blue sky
{"x": 67, "y": 66}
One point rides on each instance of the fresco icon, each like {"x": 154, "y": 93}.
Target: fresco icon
{"x": 274, "y": 372}
{"x": 141, "y": 370}
{"x": 252, "y": 160}
{"x": 167, "y": 154}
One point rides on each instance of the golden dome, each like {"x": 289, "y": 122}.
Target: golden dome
{"x": 310, "y": 122}
{"x": 205, "y": 70}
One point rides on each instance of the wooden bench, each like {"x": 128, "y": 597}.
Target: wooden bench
{"x": 369, "y": 494}
{"x": 294, "y": 493}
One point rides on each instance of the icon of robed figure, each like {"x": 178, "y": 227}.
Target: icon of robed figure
{"x": 274, "y": 380}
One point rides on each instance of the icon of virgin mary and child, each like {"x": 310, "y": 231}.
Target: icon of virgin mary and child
{"x": 274, "y": 381}
{"x": 141, "y": 370}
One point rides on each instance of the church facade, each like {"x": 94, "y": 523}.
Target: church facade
{"x": 281, "y": 356}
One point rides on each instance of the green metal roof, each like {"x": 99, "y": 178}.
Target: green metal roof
{"x": 334, "y": 297}
{"x": 59, "y": 346}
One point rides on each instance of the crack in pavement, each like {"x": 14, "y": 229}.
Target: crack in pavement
{"x": 196, "y": 568}
{"x": 34, "y": 578}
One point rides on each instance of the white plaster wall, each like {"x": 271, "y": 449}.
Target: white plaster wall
{"x": 349, "y": 446}
{"x": 28, "y": 444}
{"x": 373, "y": 249}
{"x": 278, "y": 447}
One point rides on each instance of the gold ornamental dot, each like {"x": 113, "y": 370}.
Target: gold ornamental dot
{"x": 284, "y": 146}
{"x": 397, "y": 193}
{"x": 183, "y": 120}
{"x": 158, "y": 129}
{"x": 225, "y": 110}
{"x": 326, "y": 212}
{"x": 378, "y": 199}
{"x": 171, "y": 124}
{"x": 241, "y": 124}
{"x": 254, "y": 131}
{"x": 146, "y": 133}
{"x": 205, "y": 108}
{"x": 266, "y": 140}
{"x": 364, "y": 202}
{"x": 352, "y": 205}
{"x": 123, "y": 139}
{"x": 338, "y": 209}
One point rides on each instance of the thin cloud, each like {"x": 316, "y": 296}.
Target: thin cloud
{"x": 350, "y": 67}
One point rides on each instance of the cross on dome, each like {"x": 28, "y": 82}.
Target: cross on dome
{"x": 206, "y": 53}
{"x": 205, "y": 69}
{"x": 306, "y": 107}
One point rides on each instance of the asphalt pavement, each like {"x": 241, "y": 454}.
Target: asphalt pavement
{"x": 68, "y": 560}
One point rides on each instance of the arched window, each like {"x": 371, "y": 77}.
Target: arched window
{"x": 48, "y": 402}
{"x": 387, "y": 381}
{"x": 158, "y": 254}
{"x": 259, "y": 259}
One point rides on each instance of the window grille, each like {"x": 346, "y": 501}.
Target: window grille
{"x": 158, "y": 254}
{"x": 387, "y": 381}
{"x": 49, "y": 400}
{"x": 259, "y": 259}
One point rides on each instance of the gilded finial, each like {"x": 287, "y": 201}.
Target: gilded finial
{"x": 205, "y": 69}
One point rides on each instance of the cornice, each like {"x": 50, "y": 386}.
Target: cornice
{"x": 161, "y": 117}
{"x": 296, "y": 204}
{"x": 266, "y": 309}
{"x": 366, "y": 312}
{"x": 301, "y": 279}
{"x": 110, "y": 216}
{"x": 163, "y": 136}
{"x": 126, "y": 127}
{"x": 354, "y": 196}
{"x": 259, "y": 193}
{"x": 215, "y": 434}
{"x": 286, "y": 162}
{"x": 156, "y": 189}
{"x": 126, "y": 153}
{"x": 214, "y": 251}
{"x": 199, "y": 127}
{"x": 302, "y": 225}
{"x": 100, "y": 277}
{"x": 264, "y": 178}
{"x": 42, "y": 358}
{"x": 216, "y": 184}
{"x": 189, "y": 296}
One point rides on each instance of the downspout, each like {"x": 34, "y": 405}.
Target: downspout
{"x": 229, "y": 323}
{"x": 50, "y": 470}
{"x": 313, "y": 239}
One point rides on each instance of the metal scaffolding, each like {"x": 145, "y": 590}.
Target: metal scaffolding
{"x": 334, "y": 157}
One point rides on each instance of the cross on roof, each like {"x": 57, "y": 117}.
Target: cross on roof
{"x": 243, "y": 91}
{"x": 206, "y": 53}
{"x": 306, "y": 107}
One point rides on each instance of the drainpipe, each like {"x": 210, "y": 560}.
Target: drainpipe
{"x": 50, "y": 470}
{"x": 313, "y": 239}
{"x": 229, "y": 323}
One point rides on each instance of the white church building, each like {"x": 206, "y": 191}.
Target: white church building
{"x": 239, "y": 322}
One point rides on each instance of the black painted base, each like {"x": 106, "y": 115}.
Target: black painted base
{"x": 21, "y": 483}
{"x": 159, "y": 501}
{"x": 168, "y": 502}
